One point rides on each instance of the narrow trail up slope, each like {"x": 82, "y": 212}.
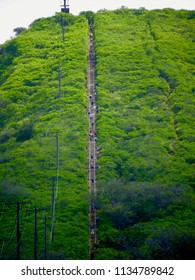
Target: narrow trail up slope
{"x": 92, "y": 148}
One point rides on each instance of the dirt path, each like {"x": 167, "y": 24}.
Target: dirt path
{"x": 92, "y": 148}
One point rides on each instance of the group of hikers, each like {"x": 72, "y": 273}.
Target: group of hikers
{"x": 92, "y": 110}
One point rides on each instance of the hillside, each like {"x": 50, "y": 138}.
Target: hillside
{"x": 145, "y": 128}
{"x": 144, "y": 74}
{"x": 43, "y": 92}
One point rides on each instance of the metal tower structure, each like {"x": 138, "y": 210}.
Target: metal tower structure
{"x": 65, "y": 7}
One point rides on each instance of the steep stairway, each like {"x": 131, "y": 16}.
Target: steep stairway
{"x": 92, "y": 148}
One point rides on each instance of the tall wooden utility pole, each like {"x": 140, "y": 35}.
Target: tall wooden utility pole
{"x": 45, "y": 238}
{"x": 35, "y": 233}
{"x": 53, "y": 210}
{"x": 63, "y": 29}
{"x": 57, "y": 153}
{"x": 59, "y": 81}
{"x": 65, "y": 7}
{"x": 55, "y": 192}
{"x": 35, "y": 210}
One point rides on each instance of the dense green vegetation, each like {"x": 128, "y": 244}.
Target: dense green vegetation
{"x": 145, "y": 97}
{"x": 43, "y": 91}
{"x": 145, "y": 91}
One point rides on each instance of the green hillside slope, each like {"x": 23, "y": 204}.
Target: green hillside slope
{"x": 42, "y": 98}
{"x": 145, "y": 134}
{"x": 145, "y": 125}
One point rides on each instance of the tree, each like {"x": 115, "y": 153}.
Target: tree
{"x": 19, "y": 30}
{"x": 89, "y": 15}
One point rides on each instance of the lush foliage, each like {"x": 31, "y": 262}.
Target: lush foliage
{"x": 145, "y": 91}
{"x": 145, "y": 87}
{"x": 42, "y": 93}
